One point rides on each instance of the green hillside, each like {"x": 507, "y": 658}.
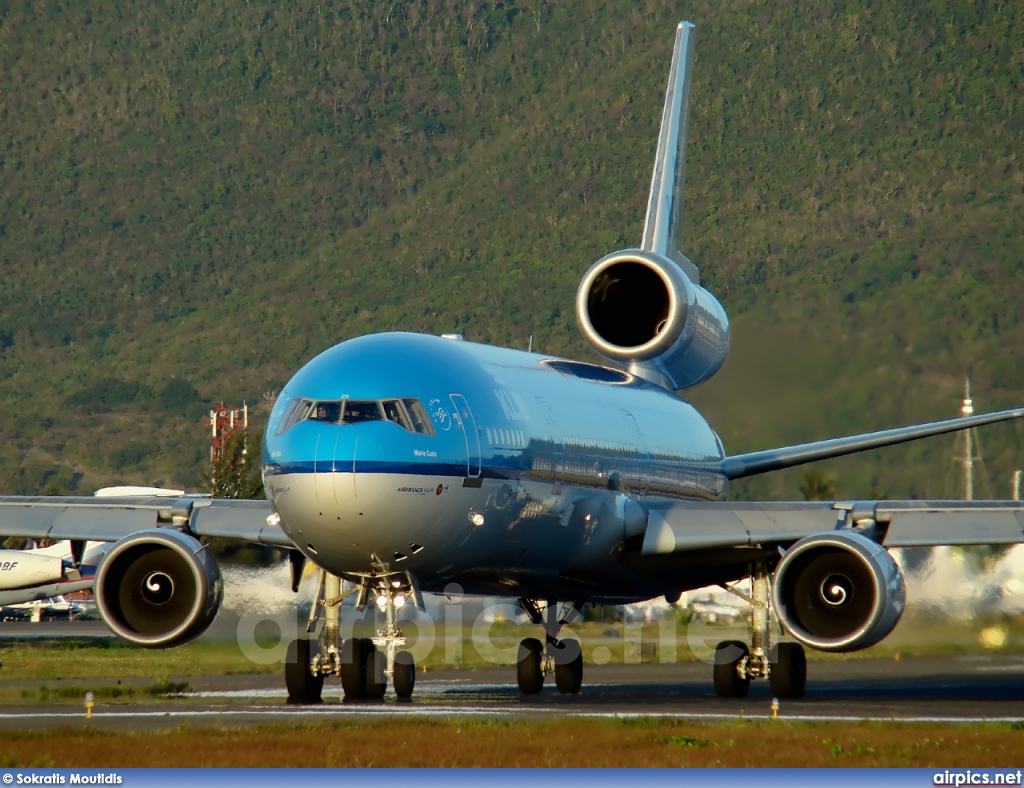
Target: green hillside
{"x": 197, "y": 197}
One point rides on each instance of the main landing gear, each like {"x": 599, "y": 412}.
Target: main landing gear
{"x": 365, "y": 665}
{"x": 561, "y": 657}
{"x": 784, "y": 665}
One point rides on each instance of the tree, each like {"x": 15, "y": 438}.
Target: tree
{"x": 178, "y": 395}
{"x": 237, "y": 473}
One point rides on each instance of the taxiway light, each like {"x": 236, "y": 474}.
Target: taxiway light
{"x": 399, "y": 600}
{"x": 90, "y": 701}
{"x": 476, "y": 518}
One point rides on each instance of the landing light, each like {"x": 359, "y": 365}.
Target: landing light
{"x": 382, "y": 601}
{"x": 273, "y": 520}
{"x": 476, "y": 518}
{"x": 399, "y": 600}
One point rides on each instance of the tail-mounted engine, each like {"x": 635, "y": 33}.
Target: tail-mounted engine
{"x": 639, "y": 308}
{"x": 158, "y": 588}
{"x": 838, "y": 592}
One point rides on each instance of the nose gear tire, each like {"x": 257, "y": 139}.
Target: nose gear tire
{"x": 405, "y": 675}
{"x": 376, "y": 681}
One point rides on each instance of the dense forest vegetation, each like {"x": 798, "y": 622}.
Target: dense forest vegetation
{"x": 197, "y": 197}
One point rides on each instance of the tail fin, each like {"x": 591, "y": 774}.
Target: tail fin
{"x": 665, "y": 206}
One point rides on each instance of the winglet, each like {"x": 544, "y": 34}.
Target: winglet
{"x": 665, "y": 205}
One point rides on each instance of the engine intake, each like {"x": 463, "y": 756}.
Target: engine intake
{"x": 158, "y": 588}
{"x": 838, "y": 592}
{"x": 640, "y": 308}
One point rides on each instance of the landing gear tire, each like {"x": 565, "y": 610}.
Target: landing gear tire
{"x": 528, "y": 669}
{"x": 353, "y": 669}
{"x": 569, "y": 674}
{"x": 405, "y": 675}
{"x": 728, "y": 656}
{"x": 376, "y": 680}
{"x": 789, "y": 670}
{"x": 303, "y": 686}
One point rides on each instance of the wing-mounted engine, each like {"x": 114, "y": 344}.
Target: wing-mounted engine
{"x": 838, "y": 592}
{"x": 640, "y": 309}
{"x": 158, "y": 588}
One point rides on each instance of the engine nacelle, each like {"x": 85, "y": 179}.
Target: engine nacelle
{"x": 158, "y": 588}
{"x": 640, "y": 308}
{"x": 838, "y": 591}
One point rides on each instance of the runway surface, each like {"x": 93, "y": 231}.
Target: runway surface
{"x": 947, "y": 688}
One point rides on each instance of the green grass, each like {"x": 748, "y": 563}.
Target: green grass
{"x": 54, "y": 659}
{"x": 549, "y": 743}
{"x": 610, "y": 643}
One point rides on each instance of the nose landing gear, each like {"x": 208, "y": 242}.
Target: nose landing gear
{"x": 563, "y": 658}
{"x": 365, "y": 665}
{"x": 785, "y": 665}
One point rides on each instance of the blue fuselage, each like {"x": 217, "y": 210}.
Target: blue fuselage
{"x": 521, "y": 483}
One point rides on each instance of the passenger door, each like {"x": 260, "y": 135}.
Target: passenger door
{"x": 463, "y": 417}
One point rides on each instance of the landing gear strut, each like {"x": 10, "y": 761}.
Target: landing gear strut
{"x": 365, "y": 665}
{"x": 561, "y": 657}
{"x": 785, "y": 665}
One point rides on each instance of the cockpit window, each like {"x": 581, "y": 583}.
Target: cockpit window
{"x": 328, "y": 412}
{"x": 418, "y": 417}
{"x": 297, "y": 410}
{"x": 361, "y": 410}
{"x": 406, "y": 413}
{"x": 393, "y": 411}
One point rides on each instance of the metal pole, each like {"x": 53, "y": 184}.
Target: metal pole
{"x": 968, "y": 410}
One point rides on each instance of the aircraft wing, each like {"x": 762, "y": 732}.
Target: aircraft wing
{"x": 753, "y": 463}
{"x": 678, "y": 526}
{"x": 109, "y": 519}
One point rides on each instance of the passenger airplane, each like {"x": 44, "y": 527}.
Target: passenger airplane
{"x": 401, "y": 463}
{"x": 30, "y": 577}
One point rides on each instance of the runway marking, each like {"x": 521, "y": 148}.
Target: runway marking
{"x": 454, "y": 688}
{"x": 474, "y": 711}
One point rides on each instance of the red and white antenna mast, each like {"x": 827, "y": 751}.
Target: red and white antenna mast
{"x": 223, "y": 421}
